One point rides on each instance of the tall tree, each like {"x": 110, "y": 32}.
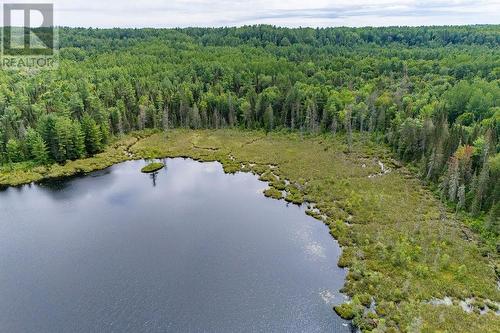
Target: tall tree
{"x": 92, "y": 135}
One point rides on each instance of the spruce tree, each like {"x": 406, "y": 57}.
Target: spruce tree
{"x": 269, "y": 118}
{"x": 78, "y": 141}
{"x": 194, "y": 117}
{"x": 14, "y": 152}
{"x": 36, "y": 147}
{"x": 92, "y": 134}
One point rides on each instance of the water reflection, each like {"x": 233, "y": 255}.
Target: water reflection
{"x": 202, "y": 252}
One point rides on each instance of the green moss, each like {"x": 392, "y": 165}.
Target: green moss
{"x": 385, "y": 308}
{"x": 479, "y": 304}
{"x": 365, "y": 323}
{"x": 364, "y": 299}
{"x": 278, "y": 184}
{"x": 492, "y": 305}
{"x": 348, "y": 310}
{"x": 231, "y": 167}
{"x": 314, "y": 214}
{"x": 400, "y": 244}
{"x": 268, "y": 177}
{"x": 294, "y": 195}
{"x": 273, "y": 193}
{"x": 152, "y": 167}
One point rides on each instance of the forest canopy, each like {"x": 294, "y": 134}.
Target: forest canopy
{"x": 431, "y": 93}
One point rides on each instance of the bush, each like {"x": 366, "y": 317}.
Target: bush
{"x": 349, "y": 311}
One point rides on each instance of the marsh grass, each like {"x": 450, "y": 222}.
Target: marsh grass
{"x": 401, "y": 245}
{"x": 273, "y": 193}
{"x": 152, "y": 167}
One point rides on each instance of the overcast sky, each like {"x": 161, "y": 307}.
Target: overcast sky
{"x": 290, "y": 13}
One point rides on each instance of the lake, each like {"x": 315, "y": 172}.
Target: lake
{"x": 189, "y": 249}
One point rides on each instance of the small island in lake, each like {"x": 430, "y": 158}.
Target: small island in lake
{"x": 153, "y": 167}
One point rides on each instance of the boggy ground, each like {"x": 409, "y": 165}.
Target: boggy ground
{"x": 404, "y": 251}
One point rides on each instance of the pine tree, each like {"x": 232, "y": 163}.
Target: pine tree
{"x": 348, "y": 126}
{"x": 63, "y": 136}
{"x": 78, "y": 141}
{"x": 294, "y": 115}
{"x": 14, "y": 152}
{"x": 92, "y": 134}
{"x": 461, "y": 197}
{"x": 482, "y": 185}
{"x": 165, "y": 122}
{"x": 232, "y": 113}
{"x": 194, "y": 117}
{"x": 312, "y": 117}
{"x": 216, "y": 119}
{"x": 453, "y": 179}
{"x": 48, "y": 131}
{"x": 141, "y": 118}
{"x": 471, "y": 194}
{"x": 204, "y": 117}
{"x": 105, "y": 133}
{"x": 428, "y": 129}
{"x": 269, "y": 118}
{"x": 362, "y": 113}
{"x": 123, "y": 116}
{"x": 246, "y": 108}
{"x": 493, "y": 220}
{"x": 36, "y": 147}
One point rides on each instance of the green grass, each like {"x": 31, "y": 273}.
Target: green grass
{"x": 116, "y": 152}
{"x": 152, "y": 167}
{"x": 349, "y": 310}
{"x": 401, "y": 245}
{"x": 273, "y": 193}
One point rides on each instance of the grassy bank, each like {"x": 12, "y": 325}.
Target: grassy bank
{"x": 402, "y": 247}
{"x": 24, "y": 173}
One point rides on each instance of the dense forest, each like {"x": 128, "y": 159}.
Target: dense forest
{"x": 431, "y": 93}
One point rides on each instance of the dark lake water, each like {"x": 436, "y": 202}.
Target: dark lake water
{"x": 201, "y": 251}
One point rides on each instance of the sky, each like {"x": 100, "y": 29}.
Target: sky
{"x": 288, "y": 13}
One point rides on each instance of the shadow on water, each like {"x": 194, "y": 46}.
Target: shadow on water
{"x": 154, "y": 175}
{"x": 63, "y": 188}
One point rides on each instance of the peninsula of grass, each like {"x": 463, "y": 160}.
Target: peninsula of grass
{"x": 273, "y": 193}
{"x": 152, "y": 167}
{"x": 403, "y": 249}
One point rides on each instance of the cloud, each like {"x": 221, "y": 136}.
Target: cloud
{"x": 182, "y": 13}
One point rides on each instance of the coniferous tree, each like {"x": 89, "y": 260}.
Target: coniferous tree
{"x": 461, "y": 197}
{"x": 348, "y": 126}
{"x": 194, "y": 117}
{"x": 63, "y": 139}
{"x": 427, "y": 108}
{"x": 78, "y": 141}
{"x": 165, "y": 118}
{"x": 269, "y": 118}
{"x": 36, "y": 147}
{"x": 232, "y": 113}
{"x": 14, "y": 152}
{"x": 482, "y": 185}
{"x": 92, "y": 135}
{"x": 493, "y": 219}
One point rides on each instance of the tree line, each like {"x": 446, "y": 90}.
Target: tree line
{"x": 431, "y": 93}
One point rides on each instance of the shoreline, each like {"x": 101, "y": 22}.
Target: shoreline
{"x": 328, "y": 178}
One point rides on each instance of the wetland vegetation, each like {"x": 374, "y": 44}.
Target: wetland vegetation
{"x": 153, "y": 167}
{"x": 114, "y": 251}
{"x": 403, "y": 247}
{"x": 389, "y": 135}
